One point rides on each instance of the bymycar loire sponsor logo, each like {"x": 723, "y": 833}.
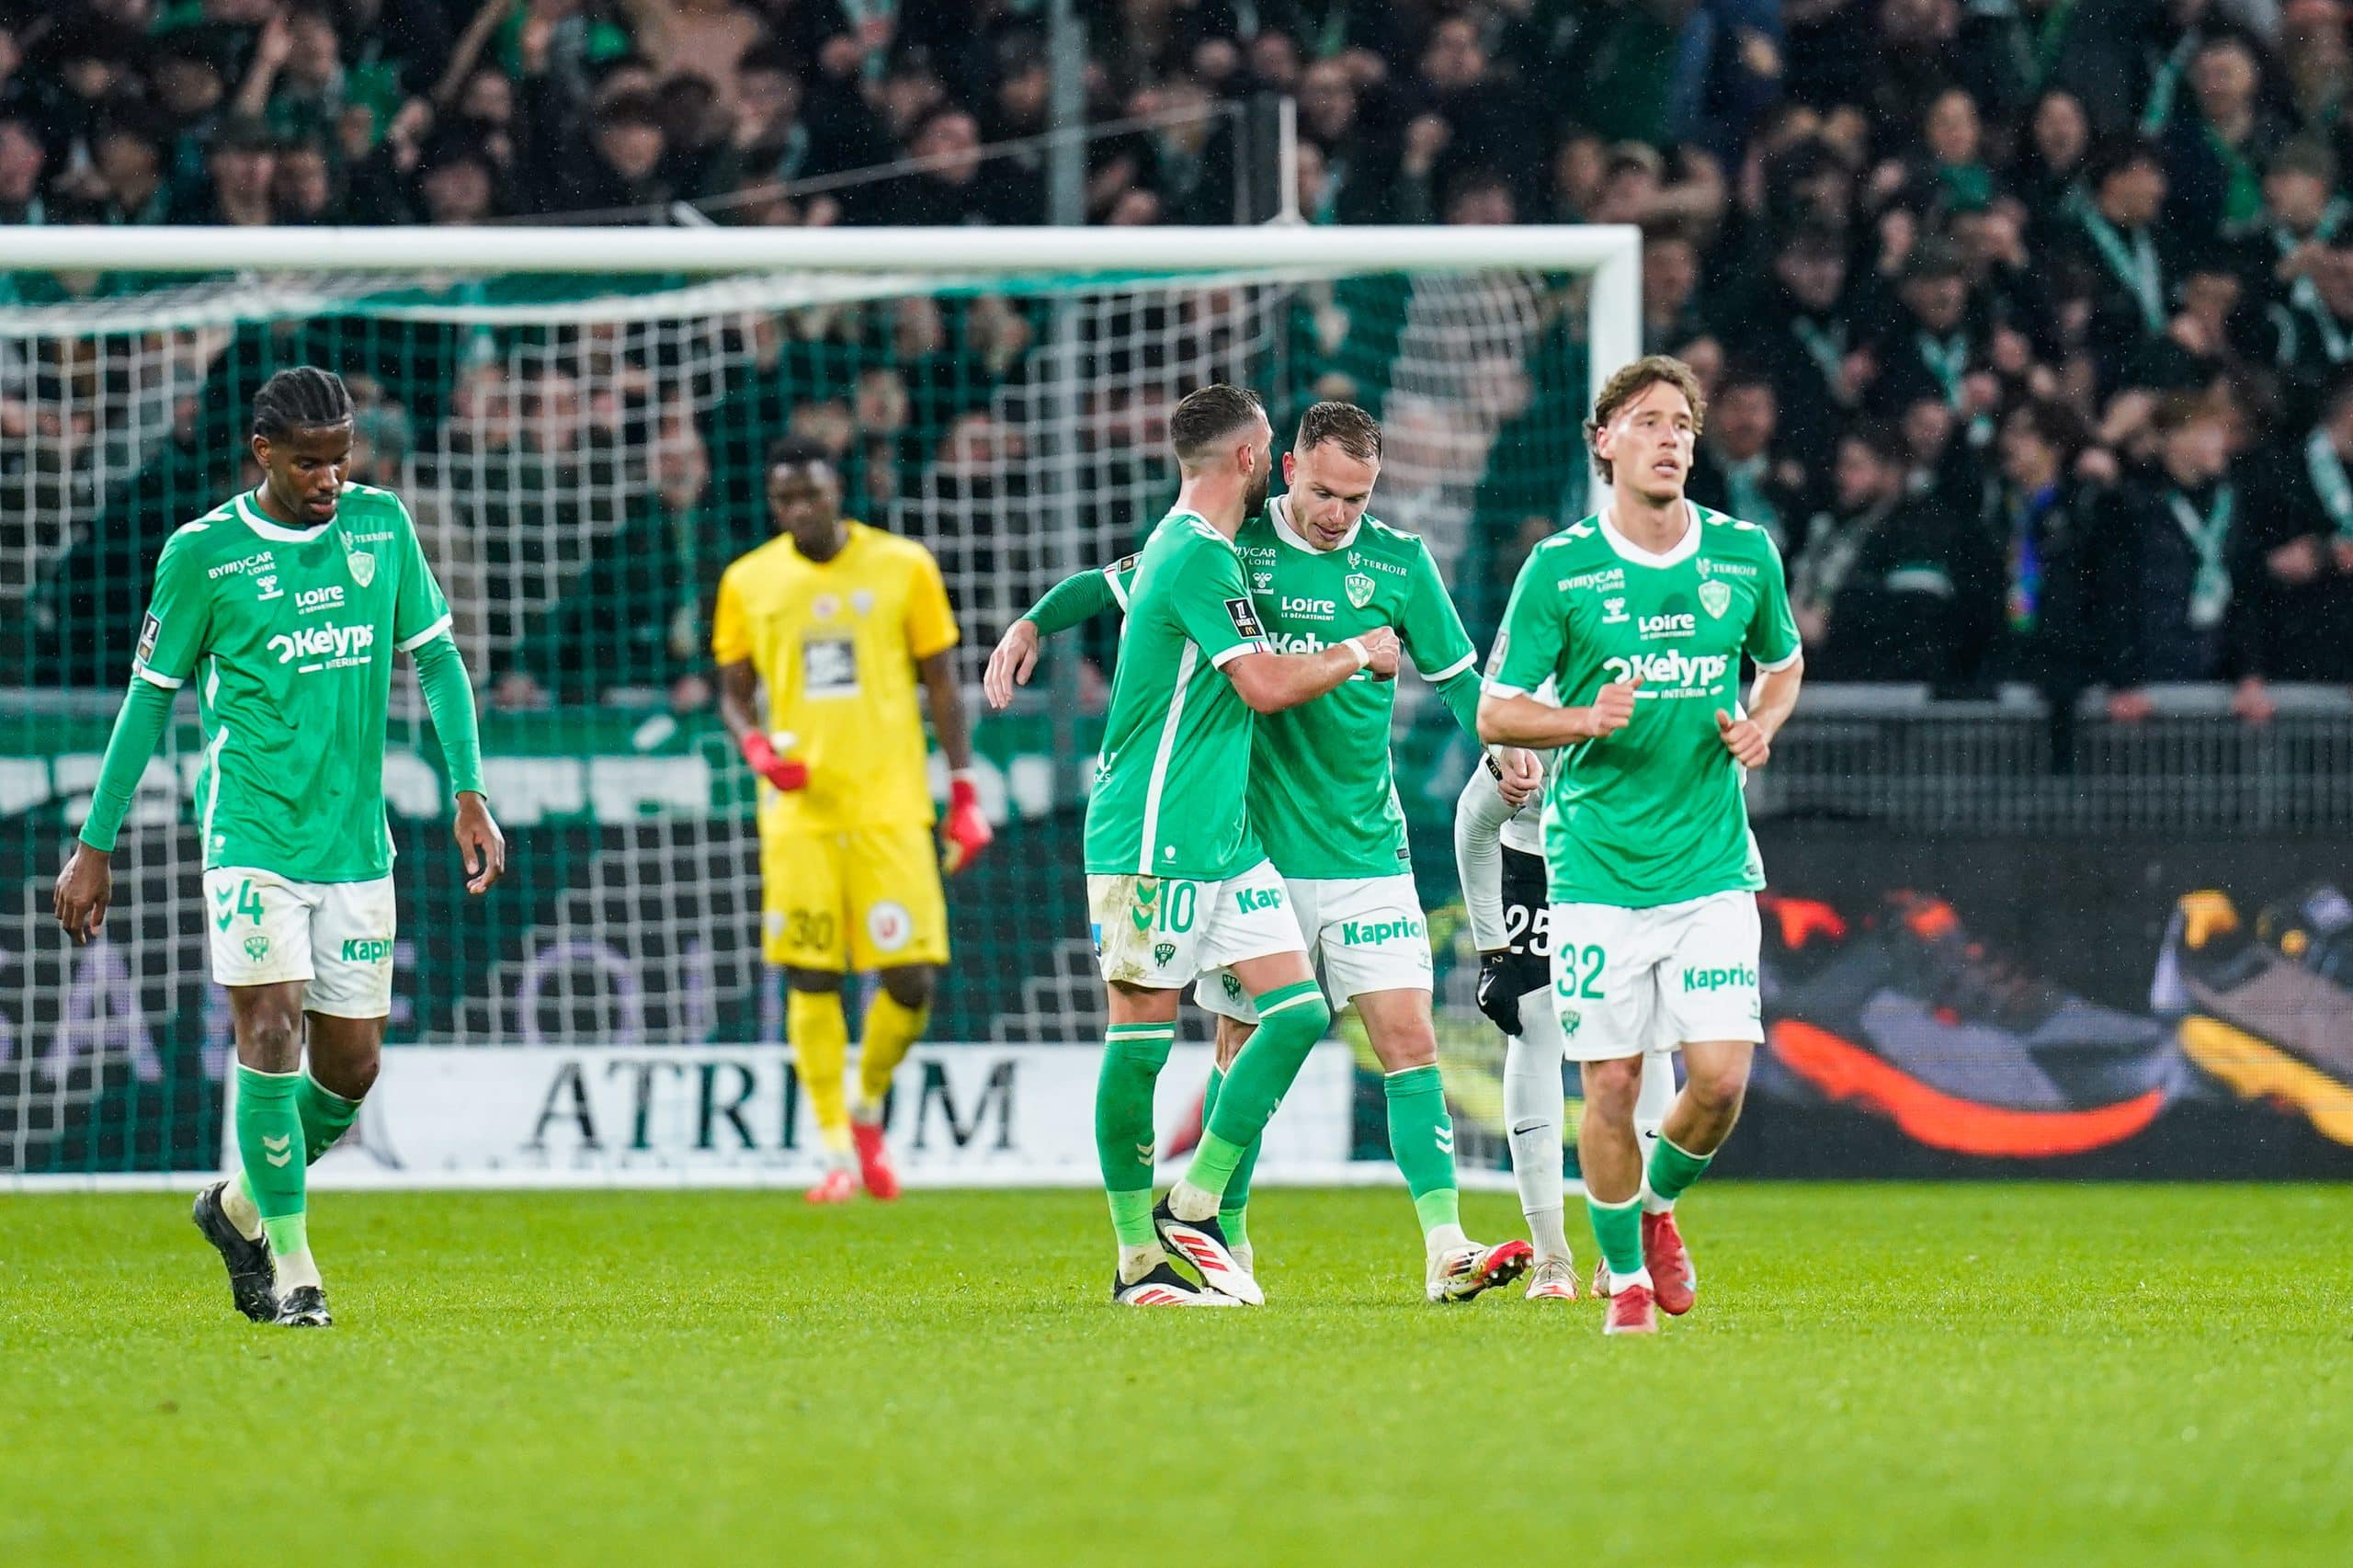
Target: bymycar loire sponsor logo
{"x": 260, "y": 560}
{"x": 1656, "y": 626}
{"x": 329, "y": 641}
{"x": 1671, "y": 672}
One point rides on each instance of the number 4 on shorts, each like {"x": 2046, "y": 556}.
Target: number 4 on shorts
{"x": 246, "y": 902}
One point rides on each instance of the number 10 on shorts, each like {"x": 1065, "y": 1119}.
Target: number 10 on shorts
{"x": 1165, "y": 906}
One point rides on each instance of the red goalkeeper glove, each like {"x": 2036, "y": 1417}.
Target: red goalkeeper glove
{"x": 785, "y": 773}
{"x": 965, "y": 829}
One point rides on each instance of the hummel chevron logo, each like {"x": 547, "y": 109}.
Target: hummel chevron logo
{"x": 279, "y": 1151}
{"x": 274, "y": 1145}
{"x": 1443, "y": 1137}
{"x": 1143, "y": 1153}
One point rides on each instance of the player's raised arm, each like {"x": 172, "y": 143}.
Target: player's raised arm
{"x": 170, "y": 639}
{"x": 1077, "y": 599}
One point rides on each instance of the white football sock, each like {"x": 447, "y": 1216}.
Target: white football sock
{"x": 1192, "y": 1203}
{"x": 238, "y": 1204}
{"x": 1532, "y": 1113}
{"x": 1137, "y": 1262}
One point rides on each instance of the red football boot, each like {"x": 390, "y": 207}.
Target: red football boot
{"x": 1633, "y": 1310}
{"x": 874, "y": 1167}
{"x": 839, "y": 1186}
{"x": 1670, "y": 1265}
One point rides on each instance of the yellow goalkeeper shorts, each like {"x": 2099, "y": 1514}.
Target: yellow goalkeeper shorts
{"x": 866, "y": 898}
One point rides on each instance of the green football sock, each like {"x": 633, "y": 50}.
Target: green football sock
{"x": 1671, "y": 1171}
{"x": 325, "y": 1117}
{"x": 1233, "y": 1216}
{"x": 269, "y": 1145}
{"x": 1421, "y": 1139}
{"x": 1291, "y": 1018}
{"x": 1133, "y": 1055}
{"x": 1617, "y": 1228}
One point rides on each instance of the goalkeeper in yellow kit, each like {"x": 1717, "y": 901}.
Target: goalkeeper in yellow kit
{"x": 836, "y": 620}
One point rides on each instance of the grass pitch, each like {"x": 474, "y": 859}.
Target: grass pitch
{"x": 1907, "y": 1374}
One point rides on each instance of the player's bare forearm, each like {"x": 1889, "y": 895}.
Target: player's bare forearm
{"x": 1270, "y": 683}
{"x": 949, "y": 722}
{"x": 1521, "y": 721}
{"x": 739, "y": 695}
{"x": 84, "y": 890}
{"x": 1773, "y": 697}
{"x": 479, "y": 843}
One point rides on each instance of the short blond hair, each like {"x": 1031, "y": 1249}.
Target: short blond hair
{"x": 1630, "y": 384}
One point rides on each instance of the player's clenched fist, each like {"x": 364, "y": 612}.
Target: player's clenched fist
{"x": 1379, "y": 646}
{"x": 785, "y": 773}
{"x": 1612, "y": 710}
{"x": 1014, "y": 656}
{"x": 1744, "y": 740}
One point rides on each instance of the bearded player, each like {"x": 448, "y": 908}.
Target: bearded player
{"x": 1323, "y": 804}
{"x": 836, "y": 623}
{"x": 1639, "y": 618}
{"x": 1178, "y": 883}
{"x": 291, "y": 601}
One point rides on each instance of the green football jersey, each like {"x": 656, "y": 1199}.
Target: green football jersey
{"x": 1322, "y": 798}
{"x": 1653, "y": 814}
{"x": 1168, "y": 796}
{"x": 290, "y": 633}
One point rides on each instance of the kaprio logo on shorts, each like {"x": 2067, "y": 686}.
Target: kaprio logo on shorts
{"x": 1674, "y": 670}
{"x": 1717, "y": 979}
{"x": 329, "y": 641}
{"x": 1364, "y": 933}
{"x": 1252, "y": 900}
{"x": 368, "y": 950}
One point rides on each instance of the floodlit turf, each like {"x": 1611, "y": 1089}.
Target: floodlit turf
{"x": 1964, "y": 1373}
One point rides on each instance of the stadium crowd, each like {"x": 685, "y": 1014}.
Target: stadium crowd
{"x": 2027, "y": 323}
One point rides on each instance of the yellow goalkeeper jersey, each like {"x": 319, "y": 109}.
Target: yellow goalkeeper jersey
{"x": 836, "y": 644}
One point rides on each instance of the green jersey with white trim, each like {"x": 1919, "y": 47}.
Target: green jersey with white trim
{"x": 1322, "y": 795}
{"x": 290, "y": 634}
{"x": 1655, "y": 814}
{"x": 1168, "y": 796}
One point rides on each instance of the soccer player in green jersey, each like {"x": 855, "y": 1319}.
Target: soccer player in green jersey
{"x": 287, "y": 605}
{"x": 1323, "y": 800}
{"x": 1639, "y": 618}
{"x": 1177, "y": 883}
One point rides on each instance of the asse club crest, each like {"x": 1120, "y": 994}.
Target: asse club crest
{"x": 1715, "y": 595}
{"x": 1359, "y": 587}
{"x": 256, "y": 948}
{"x": 363, "y": 565}
{"x": 1163, "y": 953}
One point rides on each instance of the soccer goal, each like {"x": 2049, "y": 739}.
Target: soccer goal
{"x": 577, "y": 418}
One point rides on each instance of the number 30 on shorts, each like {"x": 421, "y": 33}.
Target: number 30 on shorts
{"x": 1580, "y": 974}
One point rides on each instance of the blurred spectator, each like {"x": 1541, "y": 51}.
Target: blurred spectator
{"x": 241, "y": 164}
{"x": 1889, "y": 587}
{"x": 2177, "y": 569}
{"x": 20, "y": 167}
{"x": 2036, "y": 513}
{"x": 2302, "y": 530}
{"x": 1737, "y": 469}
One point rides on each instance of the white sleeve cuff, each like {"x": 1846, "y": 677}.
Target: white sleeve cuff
{"x": 1498, "y": 689}
{"x": 1219, "y": 661}
{"x": 169, "y": 683}
{"x": 1111, "y": 575}
{"x": 411, "y": 644}
{"x": 1794, "y": 655}
{"x": 1452, "y": 670}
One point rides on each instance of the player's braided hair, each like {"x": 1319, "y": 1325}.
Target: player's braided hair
{"x": 1633, "y": 381}
{"x": 300, "y": 399}
{"x": 1345, "y": 424}
{"x": 1207, "y": 413}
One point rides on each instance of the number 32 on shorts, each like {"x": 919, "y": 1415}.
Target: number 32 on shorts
{"x": 1579, "y": 976}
